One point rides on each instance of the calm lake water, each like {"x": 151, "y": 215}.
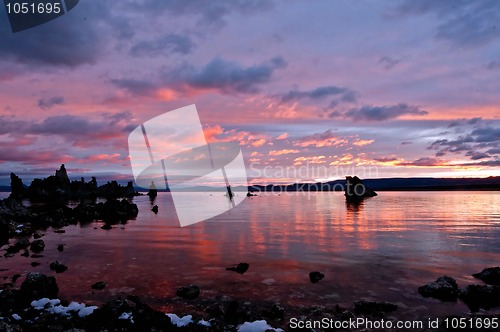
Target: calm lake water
{"x": 382, "y": 249}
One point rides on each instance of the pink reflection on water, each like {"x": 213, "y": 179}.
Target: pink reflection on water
{"x": 382, "y": 249}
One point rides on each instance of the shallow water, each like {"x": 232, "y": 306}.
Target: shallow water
{"x": 382, "y": 249}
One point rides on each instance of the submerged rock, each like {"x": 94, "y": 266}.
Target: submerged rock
{"x": 240, "y": 268}
{"x": 481, "y": 296}
{"x": 190, "y": 292}
{"x": 316, "y": 276}
{"x": 155, "y": 209}
{"x": 18, "y": 246}
{"x": 38, "y": 285}
{"x": 58, "y": 267}
{"x": 99, "y": 285}
{"x": 490, "y": 275}
{"x": 444, "y": 288}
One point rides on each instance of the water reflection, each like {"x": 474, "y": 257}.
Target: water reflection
{"x": 383, "y": 247}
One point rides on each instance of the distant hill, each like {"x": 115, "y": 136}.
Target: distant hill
{"x": 394, "y": 184}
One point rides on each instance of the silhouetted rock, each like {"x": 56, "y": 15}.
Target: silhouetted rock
{"x": 58, "y": 267}
{"x": 60, "y": 247}
{"x": 444, "y": 288}
{"x": 316, "y": 276}
{"x": 190, "y": 292}
{"x": 106, "y": 227}
{"x": 355, "y": 190}
{"x": 37, "y": 286}
{"x": 489, "y": 275}
{"x": 34, "y": 264}
{"x": 59, "y": 231}
{"x": 17, "y": 189}
{"x": 37, "y": 235}
{"x": 25, "y": 253}
{"x": 373, "y": 308}
{"x": 37, "y": 245}
{"x": 155, "y": 209}
{"x": 240, "y": 268}
{"x": 480, "y": 296}
{"x": 99, "y": 285}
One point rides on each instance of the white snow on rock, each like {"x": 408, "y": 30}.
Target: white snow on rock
{"x": 125, "y": 315}
{"x": 257, "y": 326}
{"x": 87, "y": 311}
{"x": 180, "y": 321}
{"x": 16, "y": 317}
{"x": 204, "y": 323}
{"x": 40, "y": 304}
{"x": 53, "y": 306}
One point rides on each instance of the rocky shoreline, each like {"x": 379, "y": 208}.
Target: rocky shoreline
{"x": 35, "y": 306}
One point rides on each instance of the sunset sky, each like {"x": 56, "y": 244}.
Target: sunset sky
{"x": 310, "y": 90}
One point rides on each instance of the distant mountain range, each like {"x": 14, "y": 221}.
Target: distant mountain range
{"x": 387, "y": 184}
{"x": 394, "y": 184}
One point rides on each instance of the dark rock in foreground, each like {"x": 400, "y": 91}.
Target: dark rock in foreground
{"x": 58, "y": 267}
{"x": 316, "y": 276}
{"x": 481, "y": 296}
{"x": 190, "y": 292}
{"x": 240, "y": 268}
{"x": 444, "y": 288}
{"x": 490, "y": 275}
{"x": 37, "y": 286}
{"x": 37, "y": 245}
{"x": 155, "y": 209}
{"x": 373, "y": 308}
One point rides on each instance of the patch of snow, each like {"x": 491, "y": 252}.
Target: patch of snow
{"x": 257, "y": 326}
{"x": 20, "y": 226}
{"x": 16, "y": 317}
{"x": 180, "y": 321}
{"x": 54, "y": 307}
{"x": 18, "y": 231}
{"x": 204, "y": 323}
{"x": 87, "y": 311}
{"x": 125, "y": 315}
{"x": 40, "y": 304}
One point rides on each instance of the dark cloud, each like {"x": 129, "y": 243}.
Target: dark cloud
{"x": 388, "y": 63}
{"x": 380, "y": 113}
{"x": 406, "y": 143}
{"x": 76, "y": 130}
{"x": 479, "y": 143}
{"x": 204, "y": 13}
{"x": 70, "y": 40}
{"x": 160, "y": 47}
{"x": 493, "y": 65}
{"x": 225, "y": 76}
{"x": 319, "y": 93}
{"x": 385, "y": 159}
{"x": 48, "y": 103}
{"x": 477, "y": 155}
{"x": 486, "y": 134}
{"x": 462, "y": 22}
{"x": 422, "y": 162}
{"x": 135, "y": 87}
